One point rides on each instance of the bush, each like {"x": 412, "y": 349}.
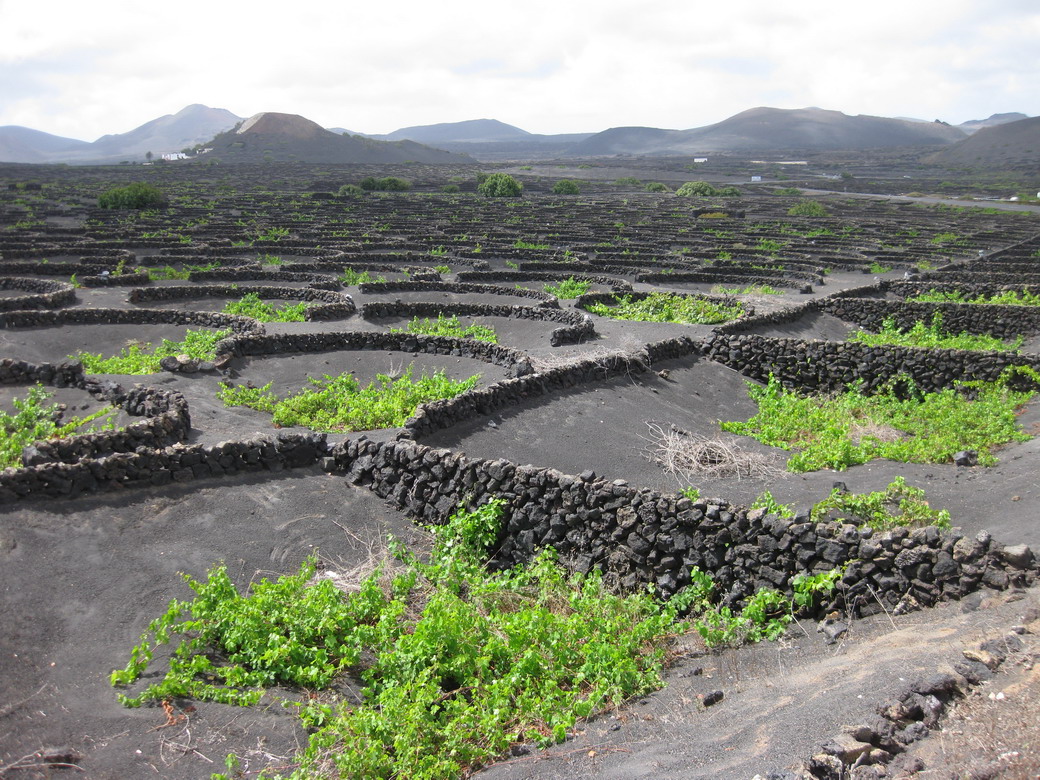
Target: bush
{"x": 566, "y": 187}
{"x": 350, "y": 191}
{"x": 385, "y": 184}
{"x": 729, "y": 192}
{"x": 664, "y": 307}
{"x": 133, "y": 196}
{"x": 656, "y": 186}
{"x": 808, "y": 208}
{"x": 696, "y": 189}
{"x": 450, "y": 188}
{"x": 848, "y": 428}
{"x": 500, "y": 185}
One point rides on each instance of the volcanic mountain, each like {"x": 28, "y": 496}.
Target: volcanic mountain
{"x": 761, "y": 129}
{"x": 191, "y": 125}
{"x": 974, "y": 125}
{"x": 275, "y": 137}
{"x": 25, "y": 145}
{"x": 1011, "y": 145}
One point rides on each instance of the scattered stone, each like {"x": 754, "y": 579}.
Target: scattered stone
{"x": 712, "y": 698}
{"x": 966, "y": 458}
{"x": 984, "y": 657}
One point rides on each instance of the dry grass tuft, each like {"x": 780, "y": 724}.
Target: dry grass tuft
{"x": 689, "y": 457}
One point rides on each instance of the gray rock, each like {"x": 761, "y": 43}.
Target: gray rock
{"x": 1018, "y": 555}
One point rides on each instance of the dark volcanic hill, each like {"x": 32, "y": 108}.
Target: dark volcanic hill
{"x": 1012, "y": 145}
{"x": 274, "y": 137}
{"x": 24, "y": 145}
{"x": 974, "y": 125}
{"x": 761, "y": 129}
{"x": 469, "y": 131}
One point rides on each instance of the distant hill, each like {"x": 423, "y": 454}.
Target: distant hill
{"x": 761, "y": 129}
{"x": 469, "y": 131}
{"x": 275, "y": 137}
{"x": 1009, "y": 145}
{"x": 194, "y": 124}
{"x": 24, "y": 145}
{"x": 974, "y": 125}
{"x": 191, "y": 125}
{"x": 488, "y": 139}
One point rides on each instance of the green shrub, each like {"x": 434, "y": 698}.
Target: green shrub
{"x": 666, "y": 307}
{"x": 142, "y": 359}
{"x": 899, "y": 504}
{"x": 566, "y": 187}
{"x": 351, "y": 277}
{"x": 451, "y": 189}
{"x": 500, "y": 185}
{"x": 931, "y": 336}
{"x": 34, "y": 420}
{"x": 567, "y": 289}
{"x": 729, "y": 192}
{"x": 350, "y": 191}
{"x": 340, "y": 404}
{"x": 751, "y": 289}
{"x": 655, "y": 186}
{"x": 393, "y": 184}
{"x": 251, "y": 305}
{"x": 808, "y": 208}
{"x": 450, "y": 327}
{"x": 457, "y": 663}
{"x": 628, "y": 181}
{"x": 848, "y": 428}
{"x": 696, "y": 189}
{"x": 137, "y": 195}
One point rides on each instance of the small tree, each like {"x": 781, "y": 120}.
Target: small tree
{"x": 133, "y": 196}
{"x": 566, "y": 187}
{"x": 696, "y": 189}
{"x": 500, "y": 185}
{"x": 148, "y": 156}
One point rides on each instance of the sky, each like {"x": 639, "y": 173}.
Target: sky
{"x": 83, "y": 69}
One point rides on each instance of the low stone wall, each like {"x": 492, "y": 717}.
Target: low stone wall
{"x": 638, "y": 536}
{"x": 45, "y": 294}
{"x": 443, "y": 414}
{"x": 720, "y": 277}
{"x": 383, "y": 288}
{"x": 218, "y": 320}
{"x": 256, "y": 274}
{"x": 178, "y": 463}
{"x": 114, "y": 280}
{"x": 327, "y": 305}
{"x": 166, "y": 412}
{"x": 515, "y": 361}
{"x": 819, "y": 366}
{"x": 1004, "y": 322}
{"x": 545, "y": 272}
{"x": 577, "y": 327}
{"x": 610, "y": 299}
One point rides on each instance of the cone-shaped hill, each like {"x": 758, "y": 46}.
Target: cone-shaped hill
{"x": 274, "y": 137}
{"x": 1011, "y": 145}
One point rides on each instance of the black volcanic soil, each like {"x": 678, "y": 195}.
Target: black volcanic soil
{"x": 80, "y": 580}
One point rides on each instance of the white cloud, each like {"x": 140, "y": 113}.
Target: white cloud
{"x": 84, "y": 69}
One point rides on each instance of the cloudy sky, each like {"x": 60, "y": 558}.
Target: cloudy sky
{"x": 83, "y": 69}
